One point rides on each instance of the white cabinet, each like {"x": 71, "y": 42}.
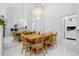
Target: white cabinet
{"x": 1, "y": 39}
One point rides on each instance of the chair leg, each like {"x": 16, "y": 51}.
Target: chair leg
{"x": 46, "y": 49}
{"x": 36, "y": 51}
{"x": 25, "y": 52}
{"x": 22, "y": 50}
{"x": 53, "y": 47}
{"x": 55, "y": 44}
{"x": 14, "y": 39}
{"x": 44, "y": 54}
{"x": 30, "y": 54}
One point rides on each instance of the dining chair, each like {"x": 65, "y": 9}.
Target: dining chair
{"x": 14, "y": 36}
{"x": 38, "y": 46}
{"x": 25, "y": 45}
{"x": 46, "y": 42}
{"x": 49, "y": 41}
{"x": 54, "y": 36}
{"x": 40, "y": 42}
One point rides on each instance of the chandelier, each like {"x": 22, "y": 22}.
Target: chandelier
{"x": 37, "y": 12}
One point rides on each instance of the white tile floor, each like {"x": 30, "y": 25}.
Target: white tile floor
{"x": 12, "y": 48}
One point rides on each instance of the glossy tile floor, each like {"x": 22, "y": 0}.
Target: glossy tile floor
{"x": 12, "y": 48}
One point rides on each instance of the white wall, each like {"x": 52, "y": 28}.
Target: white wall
{"x": 2, "y": 12}
{"x": 77, "y": 12}
{"x": 76, "y": 7}
{"x": 1, "y": 40}
{"x": 53, "y": 17}
{"x": 53, "y": 20}
{"x": 15, "y": 13}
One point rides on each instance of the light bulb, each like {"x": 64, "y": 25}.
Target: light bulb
{"x": 37, "y": 18}
{"x": 37, "y": 12}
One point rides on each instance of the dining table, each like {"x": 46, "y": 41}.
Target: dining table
{"x": 32, "y": 37}
{"x": 36, "y": 43}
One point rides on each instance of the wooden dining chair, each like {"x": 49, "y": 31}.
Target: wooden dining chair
{"x": 54, "y": 36}
{"x": 46, "y": 42}
{"x": 52, "y": 39}
{"x": 16, "y": 36}
{"x": 49, "y": 41}
{"x": 39, "y": 43}
{"x": 25, "y": 44}
{"x": 38, "y": 46}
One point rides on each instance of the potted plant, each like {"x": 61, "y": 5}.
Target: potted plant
{"x": 3, "y": 23}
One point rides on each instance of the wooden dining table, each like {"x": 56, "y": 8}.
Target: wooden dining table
{"x": 32, "y": 37}
{"x": 36, "y": 43}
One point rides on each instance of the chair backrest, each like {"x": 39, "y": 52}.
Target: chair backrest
{"x": 23, "y": 38}
{"x": 54, "y": 35}
{"x": 51, "y": 36}
{"x": 40, "y": 40}
{"x": 47, "y": 37}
